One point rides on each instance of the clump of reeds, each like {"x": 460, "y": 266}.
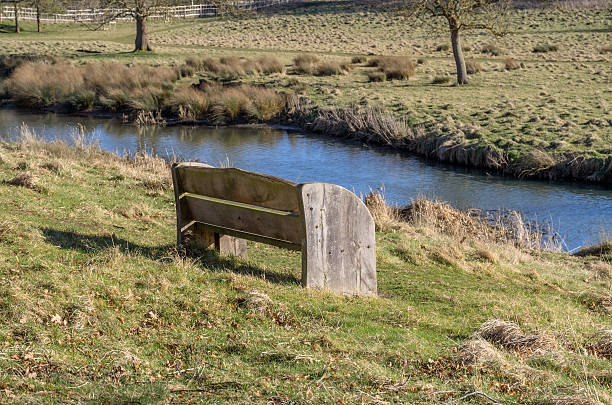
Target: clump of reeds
{"x": 233, "y": 67}
{"x": 509, "y": 228}
{"x": 394, "y": 67}
{"x": 305, "y": 63}
{"x": 603, "y": 248}
{"x": 511, "y": 64}
{"x": 472, "y": 66}
{"x": 69, "y": 87}
{"x": 544, "y": 48}
{"x": 331, "y": 68}
{"x": 441, "y": 80}
{"x": 366, "y": 123}
{"x": 377, "y": 76}
{"x": 491, "y": 49}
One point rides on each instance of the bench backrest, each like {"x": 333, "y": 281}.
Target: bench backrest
{"x": 329, "y": 224}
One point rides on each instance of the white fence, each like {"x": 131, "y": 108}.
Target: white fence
{"x": 98, "y": 15}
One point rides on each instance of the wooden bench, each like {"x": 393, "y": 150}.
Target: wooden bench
{"x": 222, "y": 207}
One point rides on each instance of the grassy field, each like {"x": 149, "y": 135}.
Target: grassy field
{"x": 558, "y": 103}
{"x": 97, "y": 305}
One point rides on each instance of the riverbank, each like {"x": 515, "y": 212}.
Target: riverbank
{"x": 96, "y": 303}
{"x": 526, "y": 113}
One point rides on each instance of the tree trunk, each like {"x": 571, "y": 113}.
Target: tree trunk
{"x": 38, "y": 18}
{"x": 462, "y": 77}
{"x": 17, "y": 28}
{"x": 142, "y": 36}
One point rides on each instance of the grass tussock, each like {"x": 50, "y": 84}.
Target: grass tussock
{"x": 365, "y": 123}
{"x": 603, "y": 344}
{"x": 24, "y": 179}
{"x": 359, "y": 59}
{"x": 511, "y": 64}
{"x": 67, "y": 87}
{"x": 332, "y": 68}
{"x": 441, "y": 80}
{"x": 545, "y": 48}
{"x": 491, "y": 49}
{"x": 472, "y": 66}
{"x": 510, "y": 336}
{"x": 602, "y": 249}
{"x": 394, "y": 67}
{"x": 305, "y": 63}
{"x": 233, "y": 67}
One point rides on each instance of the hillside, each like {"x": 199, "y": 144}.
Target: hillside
{"x": 97, "y": 305}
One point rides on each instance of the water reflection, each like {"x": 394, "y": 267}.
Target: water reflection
{"x": 581, "y": 212}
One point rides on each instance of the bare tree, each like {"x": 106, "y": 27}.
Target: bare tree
{"x": 462, "y": 15}
{"x": 140, "y": 11}
{"x": 44, "y": 6}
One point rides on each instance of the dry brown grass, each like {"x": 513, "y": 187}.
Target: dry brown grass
{"x": 472, "y": 66}
{"x": 603, "y": 248}
{"x": 365, "y": 123}
{"x": 510, "y": 336}
{"x": 478, "y": 351}
{"x": 602, "y": 347}
{"x": 385, "y": 217}
{"x": 394, "y": 67}
{"x": 305, "y": 63}
{"x": 76, "y": 88}
{"x": 511, "y": 64}
{"x": 24, "y": 179}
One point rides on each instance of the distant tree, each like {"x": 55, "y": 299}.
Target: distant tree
{"x": 16, "y": 10}
{"x": 44, "y": 6}
{"x": 140, "y": 11}
{"x": 462, "y": 15}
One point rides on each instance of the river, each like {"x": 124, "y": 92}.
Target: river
{"x": 581, "y": 214}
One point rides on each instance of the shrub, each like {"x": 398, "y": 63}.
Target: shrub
{"x": 441, "y": 79}
{"x": 304, "y": 63}
{"x": 491, "y": 49}
{"x": 442, "y": 48}
{"x": 511, "y": 64}
{"x": 472, "y": 66}
{"x": 377, "y": 76}
{"x": 359, "y": 59}
{"x": 544, "y": 48}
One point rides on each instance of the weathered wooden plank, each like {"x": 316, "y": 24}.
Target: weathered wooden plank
{"x": 239, "y": 185}
{"x": 286, "y": 226}
{"x": 255, "y": 238}
{"x": 339, "y": 252}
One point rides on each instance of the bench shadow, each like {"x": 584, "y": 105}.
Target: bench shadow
{"x": 206, "y": 258}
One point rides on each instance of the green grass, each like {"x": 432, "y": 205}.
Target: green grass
{"x": 97, "y": 305}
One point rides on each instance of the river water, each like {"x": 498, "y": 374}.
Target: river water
{"x": 582, "y": 214}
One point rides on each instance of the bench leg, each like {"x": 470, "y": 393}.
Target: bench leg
{"x": 224, "y": 244}
{"x": 228, "y": 245}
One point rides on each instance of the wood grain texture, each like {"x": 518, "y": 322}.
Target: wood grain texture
{"x": 339, "y": 251}
{"x": 239, "y": 185}
{"x": 284, "y": 227}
